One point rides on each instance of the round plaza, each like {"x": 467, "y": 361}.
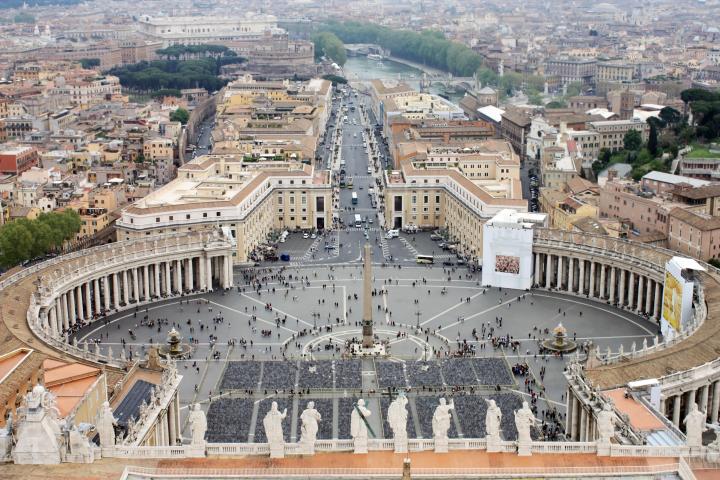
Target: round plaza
{"x": 300, "y": 319}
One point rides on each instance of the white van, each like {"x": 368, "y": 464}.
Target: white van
{"x": 392, "y": 234}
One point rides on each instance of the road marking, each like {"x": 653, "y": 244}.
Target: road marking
{"x": 447, "y": 310}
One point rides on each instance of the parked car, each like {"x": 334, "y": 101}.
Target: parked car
{"x": 448, "y": 263}
{"x": 435, "y": 237}
{"x": 285, "y": 257}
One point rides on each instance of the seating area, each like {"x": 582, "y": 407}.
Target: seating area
{"x": 228, "y": 420}
{"x": 279, "y": 375}
{"x": 318, "y": 375}
{"x": 424, "y": 374}
{"x": 348, "y": 374}
{"x": 241, "y": 376}
{"x": 390, "y": 374}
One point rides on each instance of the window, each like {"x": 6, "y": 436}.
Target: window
{"x": 204, "y": 214}
{"x": 170, "y": 218}
{"x": 187, "y": 217}
{"x": 157, "y": 219}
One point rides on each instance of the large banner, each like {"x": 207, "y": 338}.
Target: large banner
{"x": 672, "y": 301}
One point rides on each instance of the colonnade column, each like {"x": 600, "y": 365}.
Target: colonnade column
{"x": 631, "y": 292}
{"x": 676, "y": 411}
{"x": 658, "y": 303}
{"x": 125, "y": 287}
{"x": 71, "y": 307}
{"x": 537, "y": 269}
{"x": 208, "y": 272}
{"x": 136, "y": 285}
{"x": 64, "y": 311}
{"x": 171, "y": 422}
{"x": 201, "y": 267}
{"x": 96, "y": 294}
{"x": 190, "y": 280}
{"x": 560, "y": 272}
{"x": 570, "y": 405}
{"x": 689, "y": 401}
{"x": 571, "y": 274}
{"x": 168, "y": 285}
{"x": 88, "y": 302}
{"x": 649, "y": 296}
{"x": 106, "y": 292}
{"x": 581, "y": 284}
{"x": 178, "y": 276}
{"x": 79, "y": 300}
{"x": 548, "y": 270}
{"x": 703, "y": 403}
{"x": 591, "y": 291}
{"x": 602, "y": 281}
{"x": 52, "y": 318}
{"x": 715, "y": 402}
{"x": 612, "y": 284}
{"x": 640, "y": 294}
{"x": 156, "y": 276}
{"x": 116, "y": 289}
{"x": 621, "y": 291}
{"x": 146, "y": 282}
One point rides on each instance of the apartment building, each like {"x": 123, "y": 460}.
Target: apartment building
{"x": 16, "y": 159}
{"x": 572, "y": 70}
{"x": 611, "y": 133}
{"x": 694, "y": 234}
{"x": 250, "y": 199}
{"x": 455, "y": 188}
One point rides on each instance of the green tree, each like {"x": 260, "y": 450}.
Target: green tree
{"x": 180, "y": 115}
{"x": 15, "y": 244}
{"x": 335, "y": 79}
{"x": 670, "y": 116}
{"x": 89, "y": 62}
{"x": 653, "y": 140}
{"x": 632, "y": 140}
{"x": 556, "y": 104}
{"x": 327, "y": 44}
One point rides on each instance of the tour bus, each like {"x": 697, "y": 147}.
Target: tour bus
{"x": 354, "y": 198}
{"x": 358, "y": 221}
{"x": 425, "y": 259}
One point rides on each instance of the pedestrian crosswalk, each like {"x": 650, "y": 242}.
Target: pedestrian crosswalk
{"x": 385, "y": 247}
{"x": 409, "y": 246}
{"x": 362, "y": 229}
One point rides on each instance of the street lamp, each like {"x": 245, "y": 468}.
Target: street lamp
{"x": 417, "y": 314}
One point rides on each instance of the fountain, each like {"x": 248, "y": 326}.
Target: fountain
{"x": 174, "y": 347}
{"x": 559, "y": 342}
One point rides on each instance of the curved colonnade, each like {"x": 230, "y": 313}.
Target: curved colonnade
{"x": 630, "y": 276}
{"x": 75, "y": 290}
{"x": 84, "y": 286}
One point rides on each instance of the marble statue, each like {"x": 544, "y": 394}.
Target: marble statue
{"x": 359, "y": 427}
{"x": 606, "y": 424}
{"x": 694, "y": 427}
{"x": 524, "y": 419}
{"x": 105, "y": 425}
{"x": 308, "y": 431}
{"x": 38, "y": 438}
{"x": 397, "y": 418}
{"x": 198, "y": 425}
{"x": 441, "y": 419}
{"x": 273, "y": 430}
{"x": 6, "y": 439}
{"x": 493, "y": 417}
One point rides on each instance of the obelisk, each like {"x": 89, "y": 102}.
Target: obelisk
{"x": 367, "y": 321}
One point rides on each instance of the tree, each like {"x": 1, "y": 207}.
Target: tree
{"x": 24, "y": 239}
{"x": 556, "y": 104}
{"x": 89, "y": 62}
{"x": 632, "y": 140}
{"x": 180, "y": 115}
{"x": 653, "y": 140}
{"x": 335, "y": 79}
{"x": 327, "y": 44}
{"x": 15, "y": 244}
{"x": 670, "y": 116}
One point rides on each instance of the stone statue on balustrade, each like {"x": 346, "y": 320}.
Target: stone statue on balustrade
{"x": 694, "y": 427}
{"x": 397, "y": 418}
{"x": 38, "y": 438}
{"x": 198, "y": 426}
{"x": 493, "y": 417}
{"x": 310, "y": 418}
{"x": 606, "y": 429}
{"x": 105, "y": 425}
{"x": 6, "y": 439}
{"x": 441, "y": 424}
{"x": 524, "y": 420}
{"x": 359, "y": 426}
{"x": 79, "y": 449}
{"x": 273, "y": 430}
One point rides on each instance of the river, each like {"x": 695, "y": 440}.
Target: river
{"x": 362, "y": 68}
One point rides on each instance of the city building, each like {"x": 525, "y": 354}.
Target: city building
{"x": 611, "y": 133}
{"x": 15, "y": 160}
{"x": 250, "y": 199}
{"x": 572, "y": 70}
{"x": 693, "y": 233}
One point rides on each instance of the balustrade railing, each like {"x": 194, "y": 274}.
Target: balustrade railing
{"x": 418, "y": 444}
